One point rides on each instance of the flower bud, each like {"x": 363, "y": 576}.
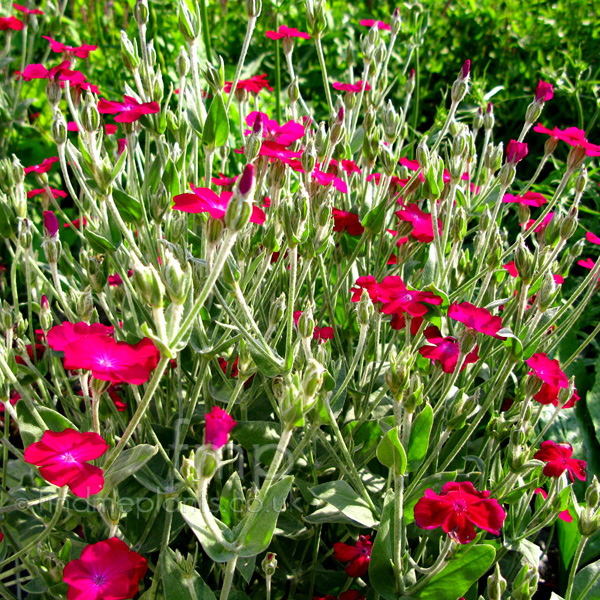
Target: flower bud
{"x": 45, "y": 315}
{"x": 312, "y": 380}
{"x": 253, "y": 8}
{"x": 592, "y": 494}
{"x": 277, "y": 311}
{"x": 148, "y": 283}
{"x": 182, "y": 64}
{"x": 84, "y": 305}
{"x": 547, "y": 292}
{"x": 364, "y": 309}
{"x": 496, "y": 584}
{"x": 269, "y": 564}
{"x": 524, "y": 261}
{"x": 25, "y": 235}
{"x": 422, "y": 154}
{"x": 97, "y": 271}
{"x": 306, "y": 323}
{"x": 410, "y": 83}
{"x": 576, "y": 157}
{"x": 396, "y": 22}
{"x": 461, "y": 86}
{"x": 459, "y": 225}
{"x": 581, "y": 181}
{"x": 177, "y": 280}
{"x": 140, "y": 12}
{"x": 533, "y": 113}
{"x": 550, "y": 145}
{"x": 309, "y": 157}
{"x": 59, "y": 128}
{"x": 50, "y": 224}
{"x": 238, "y": 213}
{"x": 189, "y": 22}
{"x": 293, "y": 90}
{"x": 478, "y": 119}
{"x": 398, "y": 375}
{"x": 246, "y": 181}
{"x": 570, "y": 223}
{"x": 53, "y": 92}
{"x": 129, "y": 51}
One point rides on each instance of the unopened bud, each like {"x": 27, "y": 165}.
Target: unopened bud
{"x": 84, "y": 305}
{"x": 129, "y": 51}
{"x": 59, "y": 129}
{"x": 149, "y": 284}
{"x": 189, "y": 22}
{"x": 524, "y": 261}
{"x": 364, "y": 309}
{"x": 140, "y": 12}
{"x": 576, "y": 157}
{"x": 269, "y": 564}
{"x": 312, "y": 380}
{"x": 253, "y": 8}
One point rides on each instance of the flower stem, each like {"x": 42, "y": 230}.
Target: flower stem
{"x": 228, "y": 579}
{"x": 238, "y": 71}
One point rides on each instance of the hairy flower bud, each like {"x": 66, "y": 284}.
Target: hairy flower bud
{"x": 59, "y": 128}
{"x": 422, "y": 154}
{"x": 269, "y": 564}
{"x": 364, "y": 309}
{"x": 277, "y": 311}
{"x": 177, "y": 280}
{"x": 140, "y": 12}
{"x": 253, "y": 8}
{"x": 53, "y": 92}
{"x": 524, "y": 261}
{"x": 576, "y": 157}
{"x": 182, "y": 63}
{"x": 189, "y": 22}
{"x": 312, "y": 380}
{"x": 148, "y": 283}
{"x": 129, "y": 51}
{"x": 84, "y": 305}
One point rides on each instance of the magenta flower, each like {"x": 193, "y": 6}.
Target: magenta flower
{"x": 511, "y": 268}
{"x": 27, "y": 11}
{"x": 422, "y": 222}
{"x": 347, "y": 165}
{"x": 457, "y": 509}
{"x": 218, "y": 426}
{"x": 374, "y": 23}
{"x": 445, "y": 350}
{"x": 129, "y": 110}
{"x": 348, "y": 221}
{"x": 548, "y": 394}
{"x": 516, "y": 151}
{"x": 542, "y": 226}
{"x": 113, "y": 361}
{"x": 285, "y": 134}
{"x": 558, "y": 460}
{"x": 544, "y": 92}
{"x": 592, "y": 237}
{"x": 572, "y": 136}
{"x": 565, "y": 515}
{"x": 55, "y": 193}
{"x": 547, "y": 370}
{"x": 82, "y": 51}
{"x": 465, "y": 69}
{"x": 330, "y": 179}
{"x": 50, "y": 224}
{"x": 38, "y": 71}
{"x": 476, "y": 319}
{"x": 358, "y": 556}
{"x": 62, "y": 458}
{"x": 43, "y": 167}
{"x": 527, "y": 199}
{"x": 279, "y": 152}
{"x": 352, "y": 87}
{"x": 369, "y": 283}
{"x": 397, "y": 298}
{"x": 287, "y": 32}
{"x": 255, "y": 84}
{"x": 76, "y": 223}
{"x": 11, "y": 23}
{"x": 205, "y": 200}
{"x": 224, "y": 181}
{"x": 107, "y": 570}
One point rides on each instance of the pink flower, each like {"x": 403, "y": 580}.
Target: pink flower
{"x": 397, "y": 298}
{"x": 351, "y": 87}
{"x": 205, "y": 200}
{"x": 374, "y": 23}
{"x": 11, "y": 23}
{"x": 76, "y": 223}
{"x": 62, "y": 458}
{"x": 592, "y": 237}
{"x": 347, "y": 165}
{"x": 285, "y": 134}
{"x": 542, "y": 226}
{"x": 27, "y": 11}
{"x": 571, "y": 136}
{"x": 527, "y": 199}
{"x": 544, "y": 92}
{"x": 369, "y": 283}
{"x": 38, "y": 71}
{"x": 445, "y": 350}
{"x": 50, "y": 223}
{"x": 107, "y": 570}
{"x": 565, "y": 515}
{"x": 516, "y": 151}
{"x": 329, "y": 178}
{"x": 224, "y": 181}
{"x": 255, "y": 84}
{"x": 548, "y": 394}
{"x": 43, "y": 167}
{"x": 358, "y": 556}
{"x": 55, "y": 193}
{"x": 218, "y": 426}
{"x": 422, "y": 222}
{"x": 129, "y": 110}
{"x": 457, "y": 509}
{"x": 113, "y": 392}
{"x": 348, "y": 221}
{"x": 476, "y": 319}
{"x": 113, "y": 361}
{"x": 287, "y": 32}
{"x": 322, "y": 334}
{"x": 279, "y": 152}
{"x": 547, "y": 370}
{"x": 511, "y": 268}
{"x": 60, "y": 336}
{"x": 558, "y": 460}
{"x": 82, "y": 51}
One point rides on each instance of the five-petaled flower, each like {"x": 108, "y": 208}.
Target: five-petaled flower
{"x": 82, "y": 51}
{"x": 445, "y": 350}
{"x": 572, "y": 136}
{"x": 218, "y": 426}
{"x": 107, "y": 570}
{"x": 357, "y": 556}
{"x": 547, "y": 370}
{"x": 62, "y": 458}
{"x": 43, "y": 167}
{"x": 129, "y": 110}
{"x": 11, "y": 23}
{"x": 272, "y": 131}
{"x": 255, "y": 84}
{"x": 558, "y": 460}
{"x": 534, "y": 199}
{"x": 204, "y": 200}
{"x": 287, "y": 32}
{"x": 397, "y": 298}
{"x": 374, "y": 23}
{"x": 422, "y": 222}
{"x": 476, "y": 319}
{"x": 457, "y": 509}
{"x": 544, "y": 92}
{"x": 355, "y": 88}
{"x": 346, "y": 220}
{"x": 516, "y": 151}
